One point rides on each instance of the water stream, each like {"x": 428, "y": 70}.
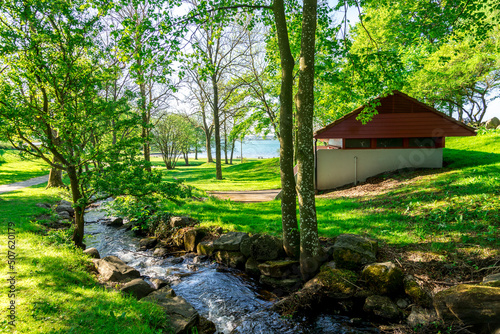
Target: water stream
{"x": 233, "y": 301}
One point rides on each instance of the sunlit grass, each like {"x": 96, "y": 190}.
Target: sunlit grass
{"x": 16, "y": 169}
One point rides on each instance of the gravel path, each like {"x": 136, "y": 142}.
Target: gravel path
{"x": 250, "y": 196}
{"x": 19, "y": 185}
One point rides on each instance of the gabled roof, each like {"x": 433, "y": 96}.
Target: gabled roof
{"x": 399, "y": 116}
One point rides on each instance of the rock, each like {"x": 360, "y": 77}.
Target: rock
{"x": 492, "y": 123}
{"x": 93, "y": 253}
{"x": 65, "y": 203}
{"x": 384, "y": 278}
{"x": 159, "y": 283}
{"x": 64, "y": 215}
{"x": 178, "y": 237}
{"x": 116, "y": 222}
{"x": 206, "y": 326}
{"x": 336, "y": 283}
{"x": 193, "y": 237}
{"x": 416, "y": 293}
{"x": 43, "y": 205}
{"x": 113, "y": 269}
{"x": 137, "y": 288}
{"x": 174, "y": 260}
{"x": 178, "y": 222}
{"x": 470, "y": 304}
{"x": 281, "y": 286}
{"x": 492, "y": 280}
{"x": 147, "y": 243}
{"x": 65, "y": 208}
{"x": 160, "y": 252}
{"x": 498, "y": 127}
{"x": 381, "y": 306}
{"x": 266, "y": 248}
{"x": 280, "y": 269}
{"x": 352, "y": 251}
{"x": 231, "y": 259}
{"x": 246, "y": 244}
{"x": 230, "y": 241}
{"x": 402, "y": 303}
{"x": 252, "y": 267}
{"x": 182, "y": 316}
{"x": 200, "y": 259}
{"x": 205, "y": 248}
{"x": 420, "y": 316}
{"x": 219, "y": 230}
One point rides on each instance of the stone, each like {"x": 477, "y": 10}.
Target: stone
{"x": 492, "y": 123}
{"x": 333, "y": 282}
{"x": 402, "y": 303}
{"x": 230, "y": 241}
{"x": 182, "y": 316}
{"x": 147, "y": 243}
{"x": 231, "y": 259}
{"x": 470, "y": 304}
{"x": 381, "y": 306}
{"x": 252, "y": 267}
{"x": 492, "y": 280}
{"x": 205, "y": 248}
{"x": 43, "y": 205}
{"x": 416, "y": 293}
{"x": 280, "y": 269}
{"x": 137, "y": 288}
{"x": 160, "y": 252}
{"x": 281, "y": 286}
{"x": 178, "y": 237}
{"x": 116, "y": 222}
{"x": 266, "y": 248}
{"x": 174, "y": 260}
{"x": 159, "y": 283}
{"x": 200, "y": 259}
{"x": 178, "y": 222}
{"x": 64, "y": 207}
{"x": 384, "y": 278}
{"x": 64, "y": 215}
{"x": 111, "y": 268}
{"x": 206, "y": 326}
{"x": 93, "y": 253}
{"x": 352, "y": 251}
{"x": 192, "y": 238}
{"x": 420, "y": 316}
{"x": 246, "y": 244}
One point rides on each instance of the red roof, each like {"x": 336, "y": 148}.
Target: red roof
{"x": 399, "y": 116}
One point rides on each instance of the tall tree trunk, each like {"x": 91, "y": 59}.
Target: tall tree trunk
{"x": 225, "y": 143}
{"x": 218, "y": 163}
{"x": 79, "y": 207}
{"x": 208, "y": 146}
{"x": 145, "y": 123}
{"x": 186, "y": 158}
{"x": 55, "y": 177}
{"x": 288, "y": 195}
{"x": 233, "y": 143}
{"x": 311, "y": 252}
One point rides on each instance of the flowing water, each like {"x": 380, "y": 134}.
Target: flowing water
{"x": 233, "y": 301}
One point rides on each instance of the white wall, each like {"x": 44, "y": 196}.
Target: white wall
{"x": 337, "y": 167}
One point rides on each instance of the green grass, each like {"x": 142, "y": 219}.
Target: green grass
{"x": 459, "y": 204}
{"x": 55, "y": 291}
{"x": 15, "y": 169}
{"x": 250, "y": 175}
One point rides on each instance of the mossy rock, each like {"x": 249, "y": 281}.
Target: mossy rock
{"x": 205, "y": 248}
{"x": 492, "y": 280}
{"x": 352, "y": 251}
{"x": 192, "y": 237}
{"x": 266, "y": 248}
{"x": 384, "y": 278}
{"x": 280, "y": 269}
{"x": 230, "y": 241}
{"x": 231, "y": 259}
{"x": 281, "y": 286}
{"x": 337, "y": 282}
{"x": 252, "y": 267}
{"x": 416, "y": 293}
{"x": 382, "y": 306}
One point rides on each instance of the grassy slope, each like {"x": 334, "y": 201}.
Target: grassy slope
{"x": 14, "y": 169}
{"x": 459, "y": 203}
{"x": 253, "y": 175}
{"x": 56, "y": 293}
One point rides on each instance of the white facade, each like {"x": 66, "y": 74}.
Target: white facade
{"x": 337, "y": 168}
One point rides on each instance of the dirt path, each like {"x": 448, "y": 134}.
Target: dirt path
{"x": 23, "y": 184}
{"x": 250, "y": 196}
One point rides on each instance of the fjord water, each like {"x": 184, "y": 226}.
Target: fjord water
{"x": 233, "y": 301}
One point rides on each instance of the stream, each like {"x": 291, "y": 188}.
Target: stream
{"x": 229, "y": 298}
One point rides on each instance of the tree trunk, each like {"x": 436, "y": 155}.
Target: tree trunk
{"x": 218, "y": 163}
{"x": 288, "y": 195}
{"x": 225, "y": 144}
{"x": 186, "y": 158}
{"x": 311, "y": 252}
{"x": 145, "y": 122}
{"x": 233, "y": 143}
{"x": 55, "y": 177}
{"x": 79, "y": 207}
{"x": 208, "y": 145}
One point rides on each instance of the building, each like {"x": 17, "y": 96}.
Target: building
{"x": 405, "y": 133}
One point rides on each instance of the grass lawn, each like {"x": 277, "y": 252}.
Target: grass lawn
{"x": 15, "y": 169}
{"x": 55, "y": 291}
{"x": 252, "y": 175}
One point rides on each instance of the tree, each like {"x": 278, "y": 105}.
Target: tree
{"x": 173, "y": 135}
{"x": 50, "y": 91}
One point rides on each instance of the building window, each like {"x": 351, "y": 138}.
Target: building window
{"x": 357, "y": 143}
{"x": 422, "y": 142}
{"x": 389, "y": 142}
